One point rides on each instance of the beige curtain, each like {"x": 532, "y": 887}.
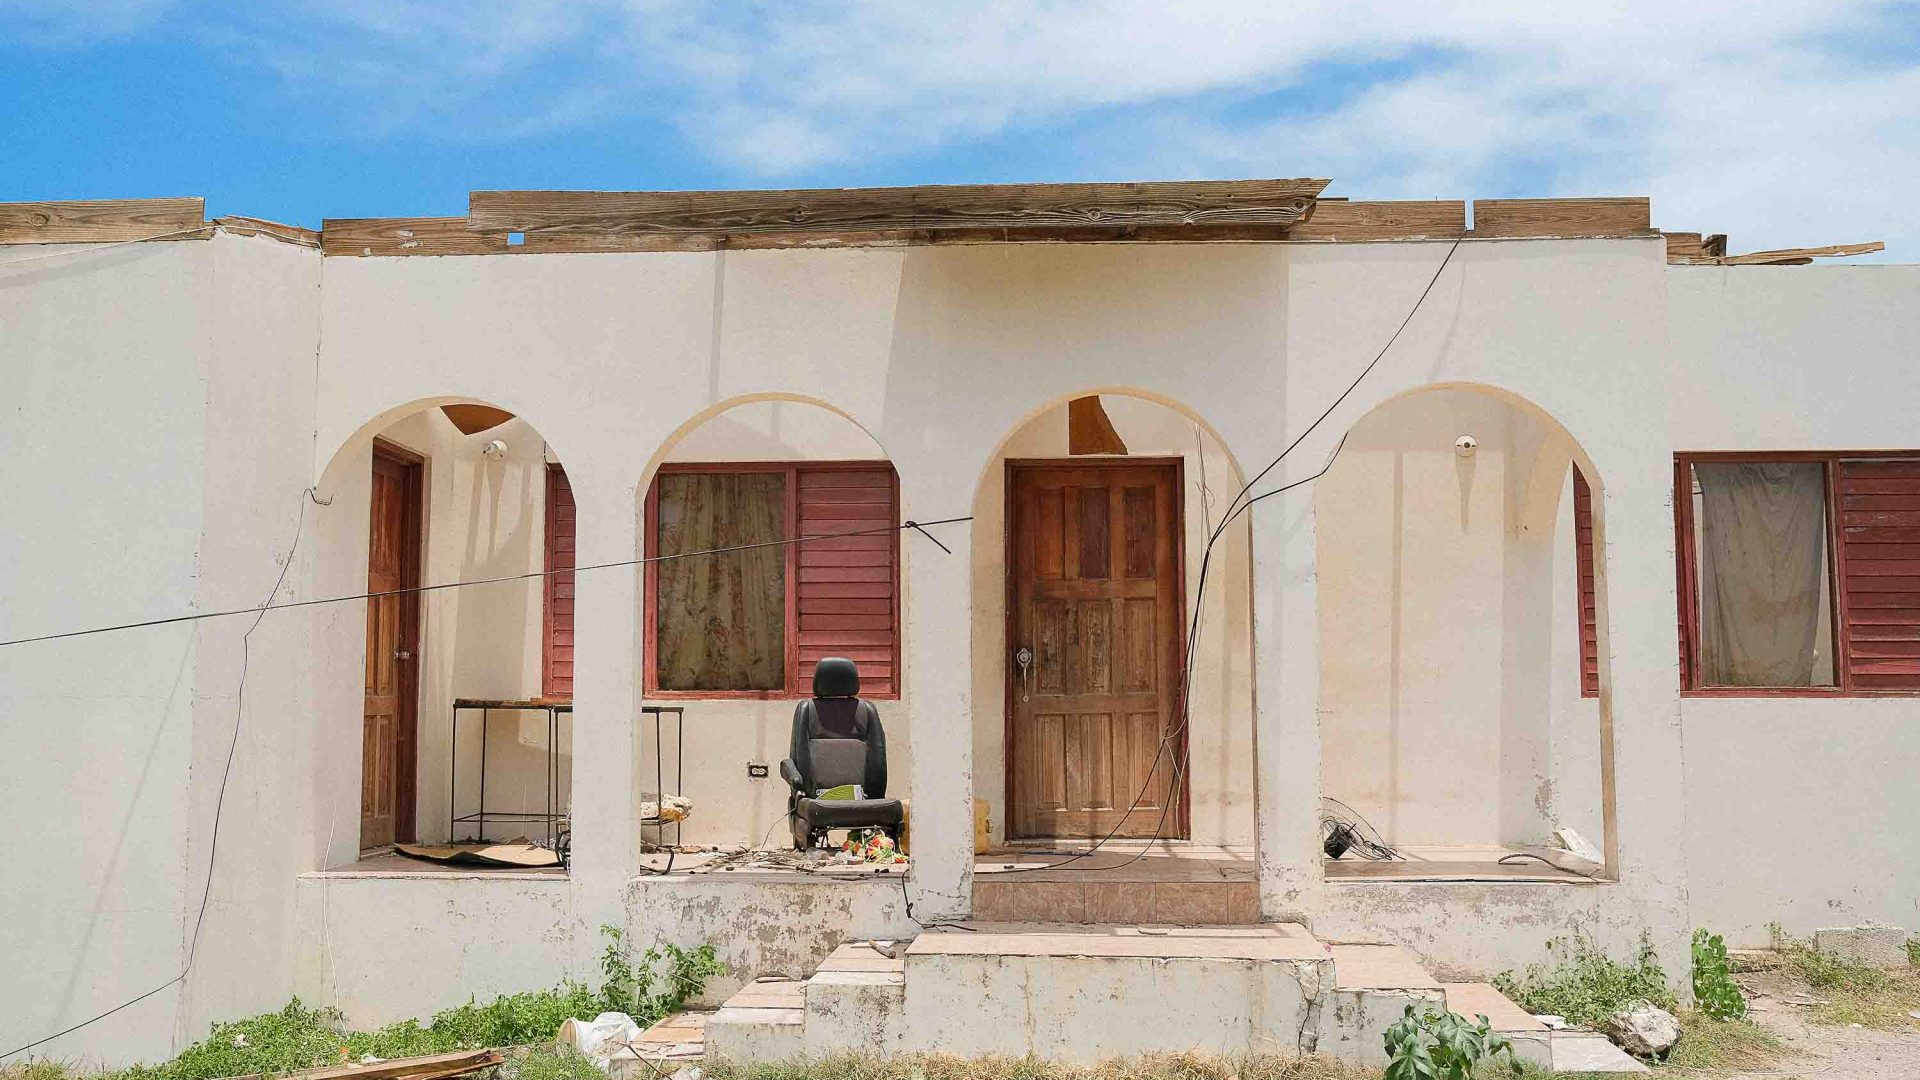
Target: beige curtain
{"x": 1762, "y": 561}
{"x": 721, "y": 620}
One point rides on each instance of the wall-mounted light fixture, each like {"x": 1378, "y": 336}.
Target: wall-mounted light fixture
{"x": 495, "y": 450}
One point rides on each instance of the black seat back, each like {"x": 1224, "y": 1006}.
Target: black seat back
{"x": 837, "y": 737}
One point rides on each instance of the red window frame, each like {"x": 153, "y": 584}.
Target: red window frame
{"x": 794, "y": 470}
{"x": 1838, "y": 581}
{"x": 1586, "y": 592}
{"x": 560, "y": 553}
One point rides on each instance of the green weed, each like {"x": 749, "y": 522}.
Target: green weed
{"x": 1440, "y": 1046}
{"x": 658, "y": 982}
{"x": 1714, "y": 991}
{"x": 1583, "y": 984}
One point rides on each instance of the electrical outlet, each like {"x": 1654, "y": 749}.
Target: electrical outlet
{"x": 757, "y": 770}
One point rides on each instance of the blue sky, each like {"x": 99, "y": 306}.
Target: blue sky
{"x": 1786, "y": 123}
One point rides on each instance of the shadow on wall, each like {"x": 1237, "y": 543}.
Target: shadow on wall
{"x": 1450, "y": 626}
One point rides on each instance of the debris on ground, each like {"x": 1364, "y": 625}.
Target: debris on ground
{"x": 428, "y": 1067}
{"x": 600, "y": 1040}
{"x": 1643, "y": 1029}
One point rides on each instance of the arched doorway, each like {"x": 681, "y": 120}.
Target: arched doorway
{"x": 1091, "y": 522}
{"x": 1461, "y": 633}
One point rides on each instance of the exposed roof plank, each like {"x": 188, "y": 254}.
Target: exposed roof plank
{"x": 1689, "y": 247}
{"x": 406, "y": 236}
{"x": 1408, "y": 220}
{"x": 935, "y": 207}
{"x": 92, "y": 221}
{"x": 252, "y": 226}
{"x": 1562, "y": 217}
{"x": 1800, "y": 256}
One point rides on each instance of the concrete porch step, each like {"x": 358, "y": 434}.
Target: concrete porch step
{"x": 763, "y": 1021}
{"x": 1084, "y": 993}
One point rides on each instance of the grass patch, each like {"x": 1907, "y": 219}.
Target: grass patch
{"x": 1151, "y": 1067}
{"x": 1583, "y": 984}
{"x": 1854, "y": 993}
{"x": 658, "y": 982}
{"x": 1709, "y": 1045}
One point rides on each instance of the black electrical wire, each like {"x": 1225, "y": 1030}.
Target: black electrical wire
{"x": 260, "y": 613}
{"x": 918, "y": 526}
{"x": 220, "y": 799}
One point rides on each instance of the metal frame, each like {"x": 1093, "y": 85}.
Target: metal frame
{"x": 555, "y": 819}
{"x": 655, "y": 821}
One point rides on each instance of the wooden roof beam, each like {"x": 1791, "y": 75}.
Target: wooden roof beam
{"x": 603, "y": 220}
{"x": 96, "y": 221}
{"x": 1563, "y": 217}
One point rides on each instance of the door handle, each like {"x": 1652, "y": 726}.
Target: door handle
{"x": 1025, "y": 659}
{"x": 402, "y": 654}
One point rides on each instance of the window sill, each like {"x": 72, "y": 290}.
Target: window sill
{"x": 1792, "y": 692}
{"x": 745, "y": 695}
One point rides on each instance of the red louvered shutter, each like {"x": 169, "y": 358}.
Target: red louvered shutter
{"x": 1879, "y": 573}
{"x": 848, "y": 602}
{"x": 557, "y": 663}
{"x": 1583, "y": 568}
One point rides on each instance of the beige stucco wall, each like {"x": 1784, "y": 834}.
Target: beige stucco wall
{"x": 229, "y": 375}
{"x": 1798, "y": 811}
{"x": 1450, "y": 702}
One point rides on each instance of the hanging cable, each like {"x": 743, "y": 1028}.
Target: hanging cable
{"x": 920, "y": 527}
{"x": 220, "y": 799}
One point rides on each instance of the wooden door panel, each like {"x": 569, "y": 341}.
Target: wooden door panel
{"x": 1096, "y": 597}
{"x": 388, "y": 715}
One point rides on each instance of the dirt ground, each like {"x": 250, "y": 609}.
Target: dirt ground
{"x": 1779, "y": 1003}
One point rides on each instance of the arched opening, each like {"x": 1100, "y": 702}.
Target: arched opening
{"x": 1461, "y": 631}
{"x": 463, "y": 751}
{"x": 1090, "y": 523}
{"x": 733, "y": 639}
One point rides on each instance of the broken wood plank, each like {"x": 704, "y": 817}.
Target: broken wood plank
{"x": 406, "y": 236}
{"x": 94, "y": 221}
{"x": 1417, "y": 219}
{"x": 868, "y": 210}
{"x": 428, "y": 1067}
{"x": 1690, "y": 247}
{"x": 1800, "y": 256}
{"x": 252, "y": 226}
{"x": 1562, "y": 217}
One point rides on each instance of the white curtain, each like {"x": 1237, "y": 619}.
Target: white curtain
{"x": 1762, "y": 563}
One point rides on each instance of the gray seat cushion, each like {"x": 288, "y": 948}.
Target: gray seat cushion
{"x": 851, "y": 813}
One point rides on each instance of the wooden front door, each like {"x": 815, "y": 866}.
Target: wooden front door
{"x": 393, "y": 641}
{"x": 1095, "y": 601}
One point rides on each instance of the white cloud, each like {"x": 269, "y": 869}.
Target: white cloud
{"x": 60, "y": 23}
{"x": 1794, "y": 121}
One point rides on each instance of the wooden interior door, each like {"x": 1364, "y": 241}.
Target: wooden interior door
{"x": 1095, "y": 595}
{"x": 387, "y": 749}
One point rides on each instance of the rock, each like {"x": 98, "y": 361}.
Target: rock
{"x": 1873, "y": 944}
{"x": 1643, "y": 1029}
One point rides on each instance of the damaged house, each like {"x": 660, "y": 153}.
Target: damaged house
{"x": 1221, "y": 555}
